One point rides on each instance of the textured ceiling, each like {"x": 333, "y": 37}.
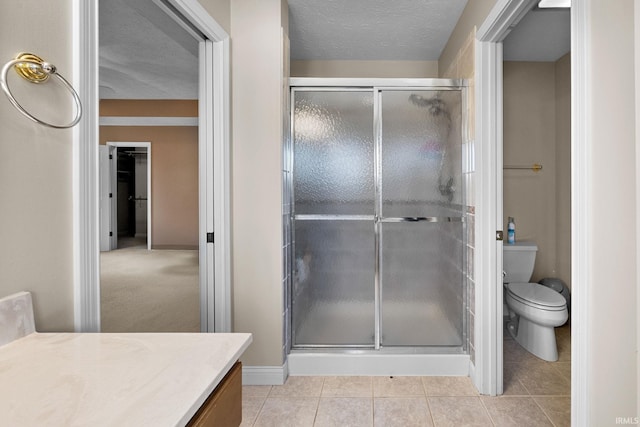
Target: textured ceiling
{"x": 371, "y": 29}
{"x": 145, "y": 54}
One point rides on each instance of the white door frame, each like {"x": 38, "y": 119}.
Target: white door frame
{"x": 114, "y": 189}
{"x": 214, "y": 113}
{"x": 488, "y": 376}
{"x": 489, "y": 121}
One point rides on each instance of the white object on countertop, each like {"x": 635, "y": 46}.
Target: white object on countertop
{"x": 16, "y": 317}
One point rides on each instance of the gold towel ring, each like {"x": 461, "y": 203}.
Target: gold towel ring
{"x": 35, "y": 70}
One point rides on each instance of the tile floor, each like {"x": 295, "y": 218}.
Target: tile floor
{"x": 536, "y": 393}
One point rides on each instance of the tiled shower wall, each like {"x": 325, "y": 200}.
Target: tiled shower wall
{"x": 463, "y": 67}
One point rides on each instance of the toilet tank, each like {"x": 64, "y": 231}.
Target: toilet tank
{"x": 518, "y": 261}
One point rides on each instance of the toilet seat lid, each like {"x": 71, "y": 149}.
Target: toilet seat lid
{"x": 535, "y": 293}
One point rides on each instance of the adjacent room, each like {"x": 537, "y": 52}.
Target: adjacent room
{"x": 149, "y": 262}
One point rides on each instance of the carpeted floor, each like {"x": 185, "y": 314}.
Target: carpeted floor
{"x": 149, "y": 291}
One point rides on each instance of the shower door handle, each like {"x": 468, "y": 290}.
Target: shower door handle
{"x": 415, "y": 219}
{"x": 424, "y": 219}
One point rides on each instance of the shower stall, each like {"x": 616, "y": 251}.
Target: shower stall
{"x": 376, "y": 219}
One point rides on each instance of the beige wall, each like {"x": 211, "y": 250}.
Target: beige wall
{"x": 563, "y": 168}
{"x": 220, "y": 10}
{"x": 36, "y": 246}
{"x": 174, "y": 180}
{"x": 472, "y": 18}
{"x": 530, "y": 137}
{"x": 403, "y": 69}
{"x": 613, "y": 312}
{"x": 174, "y": 165}
{"x": 257, "y": 60}
{"x": 537, "y": 129}
{"x": 149, "y": 107}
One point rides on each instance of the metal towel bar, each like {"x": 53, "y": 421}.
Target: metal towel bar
{"x": 535, "y": 167}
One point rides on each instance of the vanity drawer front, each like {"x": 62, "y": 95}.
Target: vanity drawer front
{"x": 223, "y": 408}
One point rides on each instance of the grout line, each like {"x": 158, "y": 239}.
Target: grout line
{"x": 271, "y": 389}
{"x": 255, "y": 419}
{"x": 486, "y": 411}
{"x": 433, "y": 421}
{"x": 544, "y": 412}
{"x": 373, "y": 411}
{"x": 315, "y": 417}
{"x": 264, "y": 400}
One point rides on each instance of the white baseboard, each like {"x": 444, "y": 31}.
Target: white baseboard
{"x": 330, "y": 364}
{"x": 265, "y": 375}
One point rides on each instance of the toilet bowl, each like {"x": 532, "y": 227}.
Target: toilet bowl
{"x": 537, "y": 311}
{"x": 534, "y": 309}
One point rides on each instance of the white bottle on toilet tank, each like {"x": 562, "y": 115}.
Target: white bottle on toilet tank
{"x": 511, "y": 231}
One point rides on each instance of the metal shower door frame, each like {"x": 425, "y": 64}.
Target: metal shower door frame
{"x": 376, "y": 86}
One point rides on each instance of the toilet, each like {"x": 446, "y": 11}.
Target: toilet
{"x": 534, "y": 310}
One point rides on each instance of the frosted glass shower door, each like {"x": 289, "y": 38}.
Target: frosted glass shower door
{"x": 420, "y": 226}
{"x": 332, "y": 296}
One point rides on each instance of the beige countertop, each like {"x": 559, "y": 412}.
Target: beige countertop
{"x": 128, "y": 379}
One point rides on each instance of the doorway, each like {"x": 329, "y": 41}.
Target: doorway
{"x": 161, "y": 283}
{"x": 489, "y": 151}
{"x": 131, "y": 188}
{"x": 536, "y": 163}
{"x": 213, "y": 84}
{"x": 125, "y": 195}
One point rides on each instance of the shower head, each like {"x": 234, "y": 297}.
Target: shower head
{"x": 435, "y": 105}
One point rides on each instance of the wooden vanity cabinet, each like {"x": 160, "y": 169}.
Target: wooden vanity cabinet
{"x": 223, "y": 407}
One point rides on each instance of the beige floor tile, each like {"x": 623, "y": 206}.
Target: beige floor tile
{"x": 515, "y": 411}
{"x": 511, "y": 385}
{"x": 401, "y": 412}
{"x": 564, "y": 368}
{"x": 298, "y": 387}
{"x": 348, "y": 387}
{"x": 397, "y": 386}
{"x": 564, "y": 332}
{"x": 287, "y": 412}
{"x": 563, "y": 341}
{"x": 515, "y": 353}
{"x": 543, "y": 379}
{"x": 250, "y": 408}
{"x": 256, "y": 390}
{"x": 345, "y": 411}
{"x": 449, "y": 386}
{"x": 558, "y": 409}
{"x": 519, "y": 368}
{"x": 458, "y": 411}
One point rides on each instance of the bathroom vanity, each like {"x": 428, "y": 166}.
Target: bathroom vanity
{"x": 160, "y": 379}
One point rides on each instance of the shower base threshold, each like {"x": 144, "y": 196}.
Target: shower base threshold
{"x": 366, "y": 363}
